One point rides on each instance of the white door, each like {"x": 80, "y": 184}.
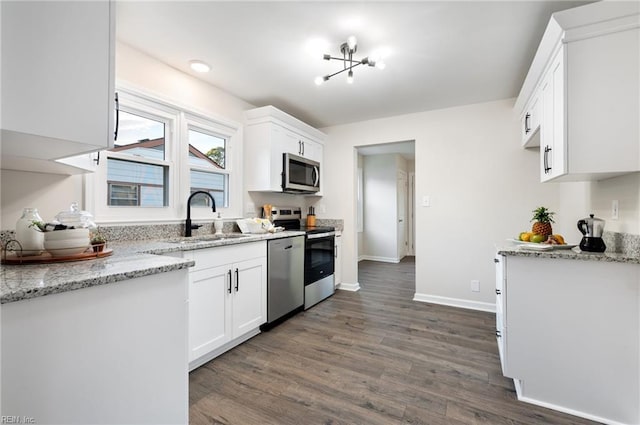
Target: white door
{"x": 209, "y": 310}
{"x": 402, "y": 214}
{"x": 249, "y": 295}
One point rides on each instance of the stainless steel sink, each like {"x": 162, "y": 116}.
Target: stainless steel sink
{"x": 206, "y": 238}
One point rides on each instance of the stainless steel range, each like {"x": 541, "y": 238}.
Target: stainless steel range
{"x": 319, "y": 260}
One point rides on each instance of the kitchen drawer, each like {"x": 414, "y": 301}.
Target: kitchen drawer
{"x": 218, "y": 256}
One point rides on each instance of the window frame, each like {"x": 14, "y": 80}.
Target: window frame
{"x": 178, "y": 120}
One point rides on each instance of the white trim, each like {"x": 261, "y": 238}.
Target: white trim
{"x": 455, "y": 302}
{"x": 360, "y": 258}
{"x": 381, "y": 259}
{"x": 352, "y": 287}
{"x": 196, "y": 363}
{"x": 562, "y": 409}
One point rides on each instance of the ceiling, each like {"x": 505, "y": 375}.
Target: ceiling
{"x": 438, "y": 54}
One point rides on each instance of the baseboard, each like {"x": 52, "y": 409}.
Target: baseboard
{"x": 520, "y": 385}
{"x": 221, "y": 350}
{"x": 353, "y": 287}
{"x": 455, "y": 302}
{"x": 376, "y": 258}
{"x": 360, "y": 258}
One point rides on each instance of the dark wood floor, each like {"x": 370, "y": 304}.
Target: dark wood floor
{"x": 369, "y": 357}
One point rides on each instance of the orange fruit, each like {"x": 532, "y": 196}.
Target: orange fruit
{"x": 525, "y": 236}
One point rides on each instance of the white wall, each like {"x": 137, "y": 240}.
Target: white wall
{"x": 624, "y": 189}
{"x": 483, "y": 187}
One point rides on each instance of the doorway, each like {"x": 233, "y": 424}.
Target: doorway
{"x": 385, "y": 206}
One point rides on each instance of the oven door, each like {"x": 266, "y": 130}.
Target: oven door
{"x": 300, "y": 175}
{"x": 318, "y": 258}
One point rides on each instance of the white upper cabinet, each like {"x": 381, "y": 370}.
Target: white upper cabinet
{"x": 268, "y": 134}
{"x": 586, "y": 79}
{"x": 57, "y": 81}
{"x": 530, "y": 122}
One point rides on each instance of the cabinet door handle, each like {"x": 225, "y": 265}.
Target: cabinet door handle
{"x": 527, "y": 129}
{"x": 117, "y": 102}
{"x": 229, "y": 287}
{"x": 237, "y": 280}
{"x": 302, "y": 148}
{"x": 547, "y": 168}
{"x": 299, "y": 147}
{"x": 498, "y": 292}
{"x": 498, "y": 334}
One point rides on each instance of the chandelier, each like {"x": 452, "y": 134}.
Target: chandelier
{"x": 348, "y": 61}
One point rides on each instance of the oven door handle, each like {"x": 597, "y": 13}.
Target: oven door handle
{"x": 320, "y": 235}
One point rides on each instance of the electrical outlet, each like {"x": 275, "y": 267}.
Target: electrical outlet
{"x": 475, "y": 286}
{"x": 614, "y": 209}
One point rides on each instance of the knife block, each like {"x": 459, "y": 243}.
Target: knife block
{"x": 311, "y": 220}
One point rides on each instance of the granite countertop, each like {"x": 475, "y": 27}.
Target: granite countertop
{"x": 567, "y": 254}
{"x": 130, "y": 259}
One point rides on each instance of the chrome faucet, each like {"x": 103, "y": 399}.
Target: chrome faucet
{"x": 187, "y": 225}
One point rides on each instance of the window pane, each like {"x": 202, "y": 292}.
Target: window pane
{"x": 214, "y": 183}
{"x": 136, "y": 183}
{"x": 140, "y": 136}
{"x": 206, "y": 150}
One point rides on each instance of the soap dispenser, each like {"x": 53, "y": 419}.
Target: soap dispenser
{"x": 218, "y": 224}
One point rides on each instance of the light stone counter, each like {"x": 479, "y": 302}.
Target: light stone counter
{"x": 130, "y": 259}
{"x": 568, "y": 254}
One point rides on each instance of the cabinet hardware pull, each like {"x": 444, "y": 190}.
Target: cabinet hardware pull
{"x": 498, "y": 292}
{"x": 117, "y": 102}
{"x": 97, "y": 159}
{"x": 299, "y": 147}
{"x": 229, "y": 288}
{"x": 498, "y": 334}
{"x": 547, "y": 149}
{"x": 302, "y": 148}
{"x": 237, "y": 280}
{"x": 527, "y": 129}
{"x": 495, "y": 260}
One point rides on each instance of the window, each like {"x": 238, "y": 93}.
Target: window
{"x": 163, "y": 154}
{"x": 206, "y": 162}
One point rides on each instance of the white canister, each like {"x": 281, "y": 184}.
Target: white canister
{"x": 218, "y": 224}
{"x": 31, "y": 239}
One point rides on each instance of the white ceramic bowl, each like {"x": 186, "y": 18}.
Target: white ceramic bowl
{"x": 62, "y": 243}
{"x": 66, "y": 234}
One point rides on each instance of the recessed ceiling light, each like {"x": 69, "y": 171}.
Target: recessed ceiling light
{"x": 199, "y": 66}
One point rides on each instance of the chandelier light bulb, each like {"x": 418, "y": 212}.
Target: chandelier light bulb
{"x": 381, "y": 65}
{"x": 352, "y": 42}
{"x": 318, "y": 81}
{"x": 350, "y": 77}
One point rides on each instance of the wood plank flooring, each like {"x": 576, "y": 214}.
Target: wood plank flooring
{"x": 369, "y": 357}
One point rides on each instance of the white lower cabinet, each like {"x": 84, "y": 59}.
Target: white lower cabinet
{"x": 501, "y": 311}
{"x": 227, "y": 298}
{"x": 108, "y": 354}
{"x": 569, "y": 334}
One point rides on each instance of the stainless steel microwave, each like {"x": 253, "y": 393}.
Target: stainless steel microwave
{"x": 300, "y": 175}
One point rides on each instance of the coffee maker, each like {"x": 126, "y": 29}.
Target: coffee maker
{"x": 591, "y": 229}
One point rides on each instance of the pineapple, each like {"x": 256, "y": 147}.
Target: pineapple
{"x": 543, "y": 219}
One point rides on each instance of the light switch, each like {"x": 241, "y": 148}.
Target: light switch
{"x": 426, "y": 201}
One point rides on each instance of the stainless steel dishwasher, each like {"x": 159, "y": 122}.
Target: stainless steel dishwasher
{"x": 285, "y": 279}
